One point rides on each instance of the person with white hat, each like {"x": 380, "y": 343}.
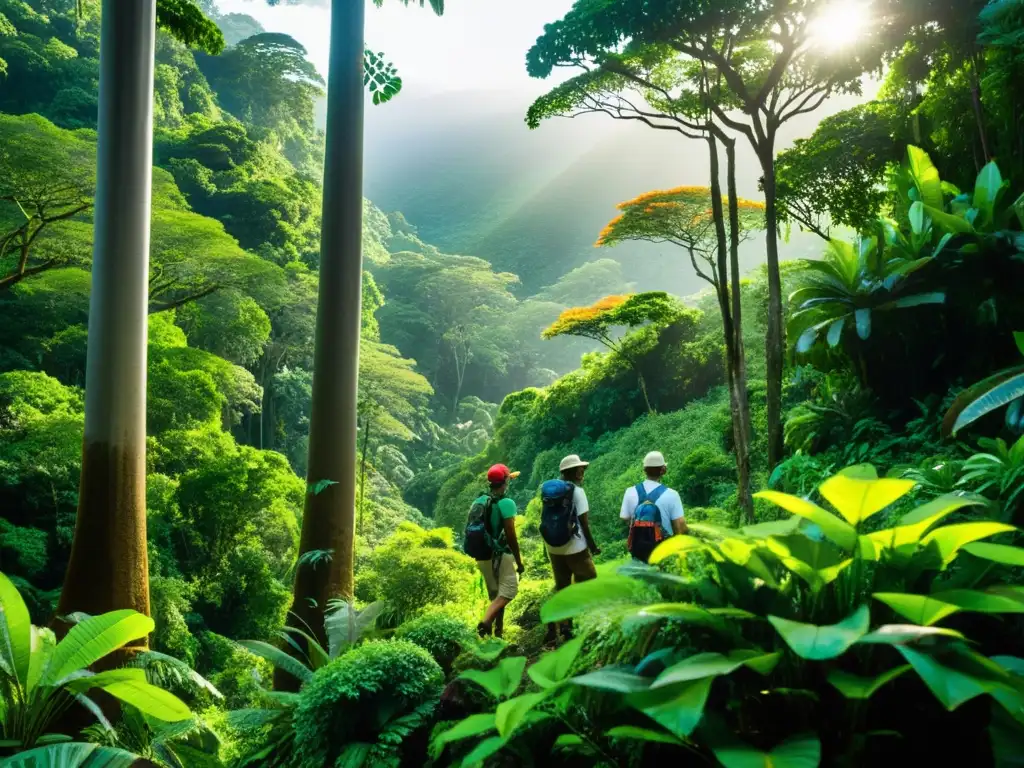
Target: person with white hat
{"x": 654, "y": 510}
{"x": 565, "y": 528}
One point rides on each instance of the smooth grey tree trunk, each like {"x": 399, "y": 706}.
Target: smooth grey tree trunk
{"x": 329, "y": 518}
{"x": 108, "y": 568}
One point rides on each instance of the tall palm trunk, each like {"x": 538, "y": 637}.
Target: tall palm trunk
{"x": 329, "y": 516}
{"x": 775, "y": 339}
{"x": 744, "y": 426}
{"x": 108, "y": 568}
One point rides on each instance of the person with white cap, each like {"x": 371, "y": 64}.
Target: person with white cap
{"x": 654, "y": 511}
{"x": 565, "y": 528}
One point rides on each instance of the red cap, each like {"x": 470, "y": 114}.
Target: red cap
{"x": 499, "y": 473}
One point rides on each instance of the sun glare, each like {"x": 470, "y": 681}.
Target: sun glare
{"x": 839, "y": 24}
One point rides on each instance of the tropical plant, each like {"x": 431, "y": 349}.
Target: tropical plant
{"x": 169, "y": 745}
{"x": 270, "y": 726}
{"x": 1000, "y": 389}
{"x": 800, "y": 624}
{"x": 40, "y": 679}
{"x": 998, "y": 473}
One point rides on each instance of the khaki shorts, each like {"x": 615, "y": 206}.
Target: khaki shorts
{"x": 504, "y": 583}
{"x": 568, "y": 568}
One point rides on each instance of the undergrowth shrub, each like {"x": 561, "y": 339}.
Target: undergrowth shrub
{"x": 441, "y": 634}
{"x": 376, "y": 694}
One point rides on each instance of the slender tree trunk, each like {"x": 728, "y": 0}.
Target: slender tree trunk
{"x": 108, "y": 568}
{"x": 775, "y": 339}
{"x": 367, "y": 426}
{"x": 744, "y": 427}
{"x": 329, "y": 516}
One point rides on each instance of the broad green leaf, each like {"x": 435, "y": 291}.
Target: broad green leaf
{"x": 856, "y": 687}
{"x": 280, "y": 659}
{"x": 587, "y": 596}
{"x": 901, "y": 634}
{"x": 354, "y": 755}
{"x": 617, "y": 679}
{"x": 858, "y": 498}
{"x": 917, "y": 523}
{"x": 474, "y": 725}
{"x": 72, "y": 755}
{"x": 810, "y": 641}
{"x": 925, "y": 176}
{"x": 569, "y": 741}
{"x": 803, "y": 751}
{"x": 982, "y": 398}
{"x": 920, "y": 609}
{"x": 503, "y": 680}
{"x": 676, "y": 708}
{"x": 704, "y": 665}
{"x": 862, "y": 320}
{"x": 950, "y": 686}
{"x": 510, "y": 714}
{"x": 675, "y": 545}
{"x": 997, "y": 553}
{"x": 816, "y": 562}
{"x": 950, "y": 538}
{"x": 679, "y": 612}
{"x": 552, "y": 668}
{"x": 130, "y": 686}
{"x": 485, "y": 749}
{"x": 16, "y": 632}
{"x": 835, "y": 332}
{"x": 947, "y": 222}
{"x": 92, "y": 639}
{"x": 839, "y": 531}
{"x": 987, "y": 187}
{"x": 43, "y": 645}
{"x": 744, "y": 554}
{"x": 641, "y": 734}
{"x": 771, "y": 528}
{"x": 982, "y": 602}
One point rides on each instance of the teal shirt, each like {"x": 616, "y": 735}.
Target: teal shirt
{"x": 504, "y": 509}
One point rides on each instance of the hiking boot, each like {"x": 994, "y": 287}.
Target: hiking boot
{"x": 484, "y": 630}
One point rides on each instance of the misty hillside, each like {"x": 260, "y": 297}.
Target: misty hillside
{"x": 533, "y": 202}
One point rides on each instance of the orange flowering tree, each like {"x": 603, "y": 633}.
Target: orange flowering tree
{"x": 600, "y": 319}
{"x": 684, "y": 217}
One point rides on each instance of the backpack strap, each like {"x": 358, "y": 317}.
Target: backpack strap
{"x": 641, "y": 494}
{"x": 657, "y": 493}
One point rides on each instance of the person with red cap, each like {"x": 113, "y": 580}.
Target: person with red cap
{"x": 491, "y": 539}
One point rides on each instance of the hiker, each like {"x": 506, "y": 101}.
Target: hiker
{"x": 490, "y": 539}
{"x": 565, "y": 528}
{"x": 653, "y": 510}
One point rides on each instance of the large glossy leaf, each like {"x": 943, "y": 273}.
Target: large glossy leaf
{"x": 810, "y": 641}
{"x": 839, "y": 531}
{"x": 704, "y": 665}
{"x": 553, "y": 668}
{"x": 862, "y": 320}
{"x": 615, "y": 679}
{"x": 920, "y": 609}
{"x": 902, "y": 634}
{"x": 485, "y": 749}
{"x": 687, "y": 612}
{"x": 15, "y": 632}
{"x": 772, "y": 528}
{"x": 676, "y": 708}
{"x": 503, "y": 680}
{"x": 279, "y": 658}
{"x": 858, "y": 497}
{"x": 131, "y": 687}
{"x": 675, "y": 545}
{"x": 987, "y": 187}
{"x": 72, "y": 755}
{"x": 950, "y": 538}
{"x": 947, "y": 222}
{"x": 474, "y": 725}
{"x": 92, "y": 639}
{"x": 982, "y": 602}
{"x": 982, "y": 398}
{"x": 636, "y": 733}
{"x": 803, "y": 751}
{"x": 510, "y": 714}
{"x": 951, "y": 687}
{"x": 856, "y": 687}
{"x": 44, "y": 642}
{"x": 587, "y": 596}
{"x": 925, "y": 176}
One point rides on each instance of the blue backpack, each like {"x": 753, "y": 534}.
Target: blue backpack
{"x": 558, "y": 519}
{"x": 646, "y": 531}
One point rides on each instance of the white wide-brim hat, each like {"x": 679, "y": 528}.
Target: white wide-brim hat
{"x": 571, "y": 462}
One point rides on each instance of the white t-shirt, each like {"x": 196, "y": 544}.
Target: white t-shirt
{"x": 577, "y": 543}
{"x": 670, "y": 504}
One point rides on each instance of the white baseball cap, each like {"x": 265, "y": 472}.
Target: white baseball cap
{"x": 571, "y": 462}
{"x": 654, "y": 459}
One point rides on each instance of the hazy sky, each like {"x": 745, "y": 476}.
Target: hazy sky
{"x": 476, "y": 45}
